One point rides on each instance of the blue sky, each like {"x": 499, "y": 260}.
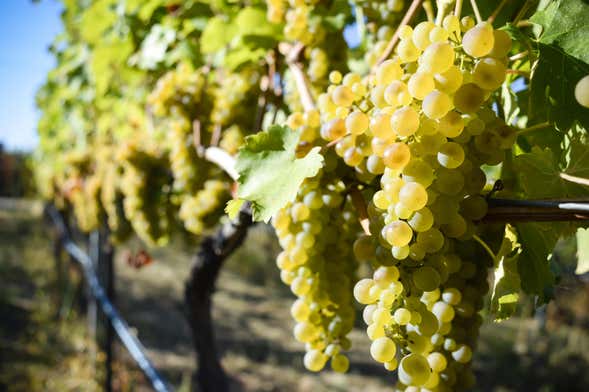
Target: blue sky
{"x": 26, "y": 30}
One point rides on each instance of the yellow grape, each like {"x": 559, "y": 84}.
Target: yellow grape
{"x": 489, "y": 73}
{"x": 380, "y": 126}
{"x": 582, "y": 91}
{"x": 357, "y": 122}
{"x": 437, "y": 58}
{"x": 479, "y": 41}
{"x": 397, "y": 94}
{"x": 404, "y": 121}
{"x": 436, "y": 104}
{"x": 420, "y": 84}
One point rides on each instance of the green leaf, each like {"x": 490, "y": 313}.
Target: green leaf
{"x": 537, "y": 242}
{"x": 582, "y": 251}
{"x": 552, "y": 87}
{"x": 562, "y": 62}
{"x": 507, "y": 280}
{"x": 96, "y": 20}
{"x": 218, "y": 33}
{"x": 269, "y": 171}
{"x": 538, "y": 172}
{"x": 565, "y": 25}
{"x": 578, "y": 163}
{"x": 253, "y": 21}
{"x": 233, "y": 206}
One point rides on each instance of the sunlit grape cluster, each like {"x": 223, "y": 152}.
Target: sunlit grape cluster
{"x": 145, "y": 184}
{"x": 419, "y": 128}
{"x": 316, "y": 261}
{"x": 176, "y": 98}
{"x": 234, "y": 95}
{"x": 203, "y": 209}
{"x": 111, "y": 198}
{"x": 179, "y": 88}
{"x": 86, "y": 203}
{"x": 383, "y": 12}
{"x": 295, "y": 16}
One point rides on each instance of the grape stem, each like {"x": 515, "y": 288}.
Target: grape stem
{"x": 534, "y": 128}
{"x": 216, "y": 135}
{"x": 444, "y": 7}
{"x": 458, "y": 9}
{"x": 525, "y": 74}
{"x": 222, "y": 159}
{"x": 360, "y": 206}
{"x": 477, "y": 13}
{"x": 522, "y": 11}
{"x": 519, "y": 56}
{"x": 409, "y": 15}
{"x": 575, "y": 179}
{"x": 429, "y": 10}
{"x": 496, "y": 12}
{"x": 292, "y": 53}
{"x": 196, "y": 135}
{"x": 486, "y": 247}
{"x": 361, "y": 25}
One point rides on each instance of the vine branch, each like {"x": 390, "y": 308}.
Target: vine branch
{"x": 291, "y": 54}
{"x": 574, "y": 179}
{"x": 223, "y": 160}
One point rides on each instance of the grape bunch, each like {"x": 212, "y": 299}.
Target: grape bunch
{"x": 316, "y": 261}
{"x": 175, "y": 100}
{"x": 111, "y": 198}
{"x": 420, "y": 127}
{"x": 145, "y": 184}
{"x": 383, "y": 12}
{"x": 295, "y": 16}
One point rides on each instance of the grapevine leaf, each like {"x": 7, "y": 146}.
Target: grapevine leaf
{"x": 233, "y": 206}
{"x": 507, "y": 280}
{"x": 270, "y": 172}
{"x": 537, "y": 242}
{"x": 253, "y": 21}
{"x": 539, "y": 171}
{"x": 562, "y": 61}
{"x": 578, "y": 163}
{"x": 564, "y": 24}
{"x": 552, "y": 88}
{"x": 216, "y": 35}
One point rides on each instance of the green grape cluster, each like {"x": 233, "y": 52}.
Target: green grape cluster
{"x": 382, "y": 12}
{"x": 86, "y": 202}
{"x": 177, "y": 89}
{"x": 112, "y": 197}
{"x": 204, "y": 208}
{"x": 420, "y": 126}
{"x": 316, "y": 261}
{"x": 298, "y": 26}
{"x": 145, "y": 184}
{"x": 80, "y": 186}
{"x": 233, "y": 95}
{"x": 178, "y": 95}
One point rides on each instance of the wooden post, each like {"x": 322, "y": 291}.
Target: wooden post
{"x": 106, "y": 275}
